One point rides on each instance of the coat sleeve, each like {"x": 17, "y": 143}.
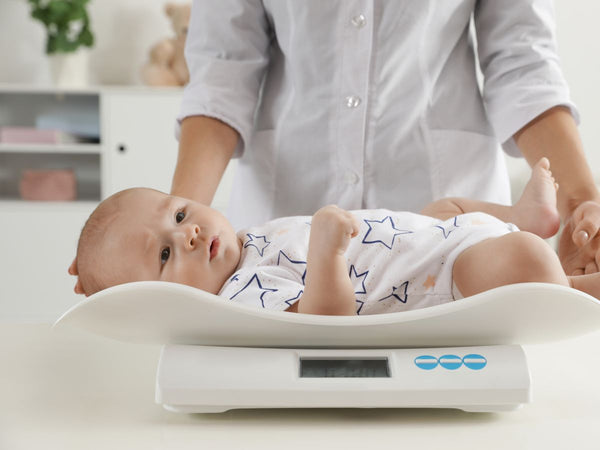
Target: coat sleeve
{"x": 226, "y": 50}
{"x": 517, "y": 51}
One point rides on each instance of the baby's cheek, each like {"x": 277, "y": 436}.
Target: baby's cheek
{"x": 178, "y": 273}
{"x": 210, "y": 284}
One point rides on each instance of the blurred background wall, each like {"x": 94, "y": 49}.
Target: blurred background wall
{"x": 125, "y": 30}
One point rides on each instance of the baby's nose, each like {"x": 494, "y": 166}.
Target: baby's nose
{"x": 193, "y": 236}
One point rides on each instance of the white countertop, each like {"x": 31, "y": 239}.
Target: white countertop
{"x": 72, "y": 390}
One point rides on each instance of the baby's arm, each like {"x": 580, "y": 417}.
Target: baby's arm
{"x": 328, "y": 289}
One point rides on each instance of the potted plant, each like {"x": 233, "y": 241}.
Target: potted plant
{"x": 68, "y": 29}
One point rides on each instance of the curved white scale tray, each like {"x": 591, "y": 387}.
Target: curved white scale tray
{"x": 167, "y": 313}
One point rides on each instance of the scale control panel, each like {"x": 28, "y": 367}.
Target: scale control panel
{"x": 194, "y": 378}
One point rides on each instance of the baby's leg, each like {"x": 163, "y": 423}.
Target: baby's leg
{"x": 513, "y": 258}
{"x": 534, "y": 212}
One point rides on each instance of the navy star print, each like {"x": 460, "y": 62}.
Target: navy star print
{"x": 361, "y": 303}
{"x": 395, "y": 291}
{"x": 356, "y": 277}
{"x": 379, "y": 232}
{"x": 255, "y": 241}
{"x": 281, "y": 253}
{"x": 447, "y": 233}
{"x": 290, "y": 301}
{"x": 259, "y": 284}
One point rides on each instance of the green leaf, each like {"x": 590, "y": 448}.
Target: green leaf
{"x": 58, "y": 11}
{"x": 86, "y": 37}
{"x": 57, "y": 16}
{"x": 51, "y": 45}
{"x": 39, "y": 15}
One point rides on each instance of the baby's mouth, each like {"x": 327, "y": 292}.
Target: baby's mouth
{"x": 215, "y": 243}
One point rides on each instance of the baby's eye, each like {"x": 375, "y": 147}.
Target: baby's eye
{"x": 179, "y": 216}
{"x": 164, "y": 255}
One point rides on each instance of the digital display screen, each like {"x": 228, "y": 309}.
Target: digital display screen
{"x": 344, "y": 368}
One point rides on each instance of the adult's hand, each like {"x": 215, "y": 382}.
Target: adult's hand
{"x": 579, "y": 243}
{"x": 553, "y": 134}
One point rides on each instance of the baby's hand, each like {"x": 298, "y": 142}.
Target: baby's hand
{"x": 331, "y": 230}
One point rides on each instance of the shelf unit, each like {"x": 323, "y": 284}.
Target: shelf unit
{"x": 128, "y": 140}
{"x": 76, "y": 113}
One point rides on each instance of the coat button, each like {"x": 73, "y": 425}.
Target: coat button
{"x": 353, "y": 101}
{"x": 351, "y": 177}
{"x": 359, "y": 21}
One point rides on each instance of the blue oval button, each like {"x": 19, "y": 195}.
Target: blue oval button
{"x": 426, "y": 362}
{"x": 450, "y": 362}
{"x": 474, "y": 361}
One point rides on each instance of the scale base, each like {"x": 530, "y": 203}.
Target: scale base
{"x": 203, "y": 379}
{"x": 186, "y": 409}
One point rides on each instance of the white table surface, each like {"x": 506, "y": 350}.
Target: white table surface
{"x": 72, "y": 390}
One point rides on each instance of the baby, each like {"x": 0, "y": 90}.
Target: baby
{"x": 335, "y": 263}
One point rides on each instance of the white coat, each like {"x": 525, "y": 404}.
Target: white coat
{"x": 370, "y": 103}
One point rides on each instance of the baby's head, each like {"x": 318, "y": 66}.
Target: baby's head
{"x": 141, "y": 234}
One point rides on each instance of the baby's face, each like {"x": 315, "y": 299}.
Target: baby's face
{"x": 161, "y": 237}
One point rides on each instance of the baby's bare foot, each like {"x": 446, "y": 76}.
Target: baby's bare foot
{"x": 536, "y": 210}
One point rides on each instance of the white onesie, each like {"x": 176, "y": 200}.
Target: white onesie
{"x": 399, "y": 260}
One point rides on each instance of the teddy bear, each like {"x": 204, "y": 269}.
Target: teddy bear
{"x": 166, "y": 65}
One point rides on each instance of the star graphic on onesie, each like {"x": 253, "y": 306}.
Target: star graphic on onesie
{"x": 382, "y": 231}
{"x": 253, "y": 284}
{"x": 429, "y": 282}
{"x": 290, "y": 301}
{"x": 445, "y": 232}
{"x": 290, "y": 261}
{"x": 361, "y": 303}
{"x": 255, "y": 241}
{"x": 398, "y": 293}
{"x": 354, "y": 276}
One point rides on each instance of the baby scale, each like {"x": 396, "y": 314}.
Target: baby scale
{"x": 219, "y": 355}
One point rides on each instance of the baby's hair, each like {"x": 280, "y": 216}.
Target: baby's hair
{"x": 91, "y": 240}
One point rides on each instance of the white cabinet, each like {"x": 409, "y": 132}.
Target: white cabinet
{"x": 139, "y": 131}
{"x": 38, "y": 242}
{"x": 127, "y": 140}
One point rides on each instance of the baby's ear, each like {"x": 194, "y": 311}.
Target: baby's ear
{"x": 73, "y": 267}
{"x": 78, "y": 288}
{"x": 73, "y": 271}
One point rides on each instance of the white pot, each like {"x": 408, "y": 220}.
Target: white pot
{"x": 70, "y": 69}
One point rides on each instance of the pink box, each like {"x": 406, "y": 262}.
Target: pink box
{"x": 48, "y": 185}
{"x": 28, "y": 135}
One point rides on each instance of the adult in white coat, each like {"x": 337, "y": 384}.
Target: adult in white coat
{"x": 374, "y": 103}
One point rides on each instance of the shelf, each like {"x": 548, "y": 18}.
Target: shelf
{"x": 73, "y": 113}
{"x": 51, "y": 148}
{"x": 23, "y": 206}
{"x": 76, "y": 115}
{"x": 96, "y": 89}
{"x": 85, "y": 166}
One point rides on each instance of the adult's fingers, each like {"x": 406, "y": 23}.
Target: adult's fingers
{"x": 586, "y": 221}
{"x": 591, "y": 267}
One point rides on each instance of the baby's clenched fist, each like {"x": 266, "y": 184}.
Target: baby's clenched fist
{"x": 332, "y": 228}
